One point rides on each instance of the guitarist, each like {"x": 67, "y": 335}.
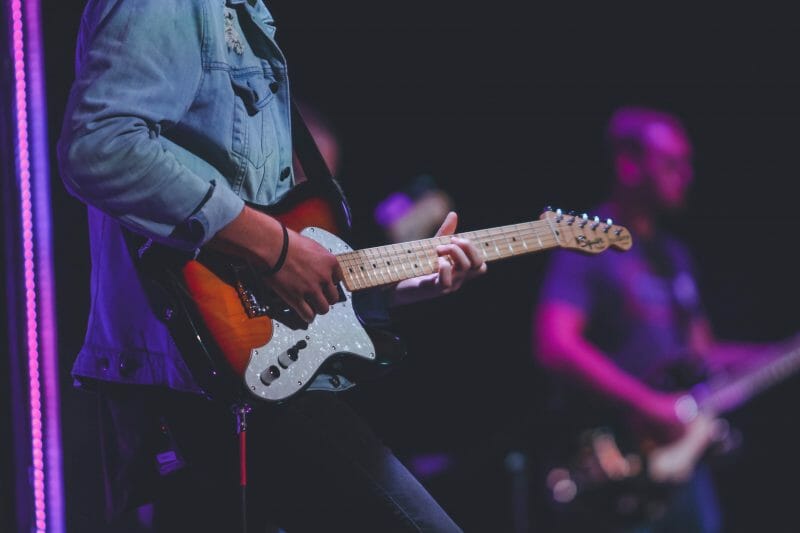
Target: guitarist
{"x": 604, "y": 325}
{"x": 178, "y": 115}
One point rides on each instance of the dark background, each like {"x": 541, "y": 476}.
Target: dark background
{"x": 505, "y": 107}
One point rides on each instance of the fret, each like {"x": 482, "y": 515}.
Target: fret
{"x": 377, "y": 264}
{"x": 392, "y": 254}
{"x": 538, "y": 238}
{"x": 420, "y": 248}
{"x": 408, "y": 261}
{"x": 481, "y": 242}
{"x": 507, "y": 246}
{"x": 489, "y": 243}
{"x": 350, "y": 265}
{"x": 386, "y": 263}
{"x": 493, "y": 240}
{"x": 359, "y": 266}
{"x": 403, "y": 260}
{"x": 518, "y": 242}
{"x": 553, "y": 230}
{"x": 510, "y": 242}
{"x": 390, "y": 258}
{"x": 366, "y": 263}
{"x": 347, "y": 278}
{"x": 373, "y": 263}
{"x": 365, "y": 268}
{"x": 347, "y": 271}
{"x": 430, "y": 251}
{"x": 522, "y": 235}
{"x": 378, "y": 256}
{"x": 524, "y": 242}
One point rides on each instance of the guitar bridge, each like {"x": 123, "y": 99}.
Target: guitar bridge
{"x": 251, "y": 305}
{"x": 274, "y": 308}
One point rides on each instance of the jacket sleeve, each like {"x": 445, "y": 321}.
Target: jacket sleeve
{"x": 138, "y": 69}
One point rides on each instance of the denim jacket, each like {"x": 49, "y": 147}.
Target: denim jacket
{"x": 178, "y": 114}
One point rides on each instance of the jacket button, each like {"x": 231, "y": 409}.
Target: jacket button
{"x": 103, "y": 363}
{"x": 285, "y": 173}
{"x": 127, "y": 366}
{"x": 274, "y": 86}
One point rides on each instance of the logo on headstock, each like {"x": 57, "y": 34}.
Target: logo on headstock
{"x": 583, "y": 242}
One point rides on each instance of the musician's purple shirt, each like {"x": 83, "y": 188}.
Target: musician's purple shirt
{"x": 638, "y": 303}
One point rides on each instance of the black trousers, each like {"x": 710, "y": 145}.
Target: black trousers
{"x": 313, "y": 465}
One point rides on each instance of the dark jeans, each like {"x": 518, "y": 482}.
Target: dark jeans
{"x": 313, "y": 465}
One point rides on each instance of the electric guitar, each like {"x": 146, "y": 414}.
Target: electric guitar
{"x": 633, "y": 484}
{"x": 231, "y": 329}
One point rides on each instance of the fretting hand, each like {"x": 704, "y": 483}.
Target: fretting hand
{"x": 459, "y": 261}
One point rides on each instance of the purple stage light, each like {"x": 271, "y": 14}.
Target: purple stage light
{"x": 392, "y": 208}
{"x": 34, "y": 186}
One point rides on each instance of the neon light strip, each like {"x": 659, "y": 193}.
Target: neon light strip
{"x": 37, "y": 259}
{"x": 42, "y": 213}
{"x": 26, "y": 208}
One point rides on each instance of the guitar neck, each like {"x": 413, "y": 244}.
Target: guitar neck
{"x": 384, "y": 265}
{"x": 743, "y": 388}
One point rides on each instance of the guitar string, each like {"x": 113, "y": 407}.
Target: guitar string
{"x": 502, "y": 236}
{"x": 507, "y": 235}
{"x": 495, "y": 235}
{"x": 354, "y": 261}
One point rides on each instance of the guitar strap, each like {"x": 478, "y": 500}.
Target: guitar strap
{"x": 306, "y": 149}
{"x": 315, "y": 168}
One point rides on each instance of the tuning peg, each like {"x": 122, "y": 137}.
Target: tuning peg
{"x": 609, "y": 223}
{"x": 572, "y": 219}
{"x": 559, "y": 215}
{"x": 584, "y": 219}
{"x": 596, "y": 223}
{"x": 548, "y": 208}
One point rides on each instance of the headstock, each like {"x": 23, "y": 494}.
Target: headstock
{"x": 586, "y": 234}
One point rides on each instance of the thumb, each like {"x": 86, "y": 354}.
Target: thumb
{"x": 449, "y": 225}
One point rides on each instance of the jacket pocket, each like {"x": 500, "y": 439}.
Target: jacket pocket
{"x": 253, "y": 127}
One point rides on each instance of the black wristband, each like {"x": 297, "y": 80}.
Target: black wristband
{"x": 271, "y": 271}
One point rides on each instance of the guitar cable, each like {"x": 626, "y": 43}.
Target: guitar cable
{"x": 241, "y": 410}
